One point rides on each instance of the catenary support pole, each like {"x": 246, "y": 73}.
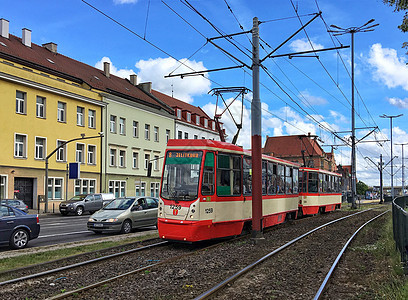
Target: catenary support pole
{"x": 381, "y": 168}
{"x": 256, "y": 117}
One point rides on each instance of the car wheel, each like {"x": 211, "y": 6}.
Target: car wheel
{"x": 19, "y": 239}
{"x": 126, "y": 227}
{"x": 79, "y": 211}
{"x": 64, "y": 213}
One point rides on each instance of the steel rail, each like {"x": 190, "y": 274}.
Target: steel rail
{"x": 326, "y": 279}
{"x": 80, "y": 264}
{"x": 218, "y": 287}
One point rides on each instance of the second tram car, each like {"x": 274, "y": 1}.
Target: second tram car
{"x": 206, "y": 191}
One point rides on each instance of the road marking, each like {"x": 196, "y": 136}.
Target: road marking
{"x": 68, "y": 233}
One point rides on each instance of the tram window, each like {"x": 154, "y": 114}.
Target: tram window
{"x": 288, "y": 180}
{"x": 325, "y": 179}
{"x": 303, "y": 182}
{"x": 295, "y": 181}
{"x": 264, "y": 177}
{"x": 247, "y": 180}
{"x": 320, "y": 183}
{"x": 271, "y": 178}
{"x": 228, "y": 175}
{"x": 312, "y": 182}
{"x": 208, "y": 175}
{"x": 280, "y": 179}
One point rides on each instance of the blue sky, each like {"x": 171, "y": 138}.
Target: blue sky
{"x": 319, "y": 88}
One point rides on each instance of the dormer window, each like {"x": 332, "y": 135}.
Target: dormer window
{"x": 198, "y": 120}
{"x": 205, "y": 123}
{"x": 213, "y": 125}
{"x": 188, "y": 117}
{"x": 178, "y": 113}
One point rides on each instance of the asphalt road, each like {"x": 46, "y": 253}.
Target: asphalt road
{"x": 57, "y": 229}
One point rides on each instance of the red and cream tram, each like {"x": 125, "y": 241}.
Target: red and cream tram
{"x": 206, "y": 190}
{"x": 319, "y": 191}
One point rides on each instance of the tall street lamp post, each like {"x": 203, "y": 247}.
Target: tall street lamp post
{"x": 83, "y": 137}
{"x": 392, "y": 157}
{"x": 352, "y": 30}
{"x": 402, "y": 168}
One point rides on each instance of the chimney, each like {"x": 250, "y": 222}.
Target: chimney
{"x": 27, "y": 37}
{"x": 146, "y": 86}
{"x": 4, "y": 28}
{"x": 51, "y": 47}
{"x": 106, "y": 68}
{"x": 133, "y": 79}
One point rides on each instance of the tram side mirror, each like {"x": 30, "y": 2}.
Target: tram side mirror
{"x": 149, "y": 170}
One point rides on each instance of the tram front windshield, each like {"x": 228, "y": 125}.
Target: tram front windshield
{"x": 181, "y": 175}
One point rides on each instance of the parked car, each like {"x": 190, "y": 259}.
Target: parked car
{"x": 124, "y": 214}
{"x": 16, "y": 203}
{"x": 85, "y": 203}
{"x": 17, "y": 227}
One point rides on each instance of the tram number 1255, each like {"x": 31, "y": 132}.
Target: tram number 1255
{"x": 209, "y": 210}
{"x": 175, "y": 207}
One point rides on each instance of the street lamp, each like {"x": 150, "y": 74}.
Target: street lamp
{"x": 352, "y": 30}
{"x": 402, "y": 171}
{"x": 392, "y": 157}
{"x": 83, "y": 137}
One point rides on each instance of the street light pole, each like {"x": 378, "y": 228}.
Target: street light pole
{"x": 352, "y": 30}
{"x": 392, "y": 157}
{"x": 402, "y": 171}
{"x": 83, "y": 137}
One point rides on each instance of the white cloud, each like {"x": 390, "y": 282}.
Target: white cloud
{"x": 338, "y": 117}
{"x": 313, "y": 100}
{"x": 400, "y": 103}
{"x": 154, "y": 70}
{"x": 301, "y": 45}
{"x": 125, "y": 1}
{"x": 388, "y": 67}
{"x": 124, "y": 73}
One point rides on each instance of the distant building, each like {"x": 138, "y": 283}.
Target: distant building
{"x": 302, "y": 149}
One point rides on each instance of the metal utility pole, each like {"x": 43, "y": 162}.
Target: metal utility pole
{"x": 380, "y": 168}
{"x": 392, "y": 157}
{"x": 402, "y": 171}
{"x": 256, "y": 123}
{"x": 352, "y": 31}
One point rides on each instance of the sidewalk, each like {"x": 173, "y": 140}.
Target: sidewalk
{"x": 41, "y": 213}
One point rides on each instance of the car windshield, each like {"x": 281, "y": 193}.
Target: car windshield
{"x": 181, "y": 174}
{"x": 77, "y": 198}
{"x": 119, "y": 204}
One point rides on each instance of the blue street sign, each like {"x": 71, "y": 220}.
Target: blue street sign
{"x": 74, "y": 172}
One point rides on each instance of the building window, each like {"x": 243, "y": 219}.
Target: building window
{"x": 135, "y": 129}
{"x": 91, "y": 155}
{"x": 61, "y": 152}
{"x": 3, "y": 187}
{"x": 113, "y": 124}
{"x": 186, "y": 135}
{"x": 195, "y": 137}
{"x": 122, "y": 158}
{"x": 40, "y": 148}
{"x": 79, "y": 153}
{"x": 152, "y": 185}
{"x": 205, "y": 123}
{"x": 21, "y": 102}
{"x": 55, "y": 188}
{"x": 91, "y": 118}
{"x": 147, "y": 132}
{"x": 188, "y": 117}
{"x": 135, "y": 160}
{"x": 157, "y": 189}
{"x": 122, "y": 127}
{"x": 213, "y": 125}
{"x": 156, "y": 162}
{"x": 140, "y": 189}
{"x": 178, "y": 113}
{"x": 156, "y": 133}
{"x": 147, "y": 160}
{"x": 179, "y": 134}
{"x": 117, "y": 187}
{"x": 112, "y": 158}
{"x": 20, "y": 144}
{"x": 154, "y": 189}
{"x": 167, "y": 135}
{"x": 85, "y": 186}
{"x": 61, "y": 112}
{"x": 197, "y": 120}
{"x": 80, "y": 116}
{"x": 40, "y": 107}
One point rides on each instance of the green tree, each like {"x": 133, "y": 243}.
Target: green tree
{"x": 361, "y": 188}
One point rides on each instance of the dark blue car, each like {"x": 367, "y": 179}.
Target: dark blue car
{"x": 17, "y": 227}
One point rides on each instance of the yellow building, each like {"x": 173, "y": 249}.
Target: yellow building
{"x": 43, "y": 104}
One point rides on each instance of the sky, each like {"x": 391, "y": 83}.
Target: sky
{"x": 299, "y": 95}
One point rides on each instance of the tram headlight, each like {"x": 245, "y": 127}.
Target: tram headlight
{"x": 161, "y": 214}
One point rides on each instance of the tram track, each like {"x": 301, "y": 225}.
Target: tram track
{"x": 186, "y": 276}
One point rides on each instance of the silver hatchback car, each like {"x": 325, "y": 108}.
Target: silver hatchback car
{"x": 124, "y": 214}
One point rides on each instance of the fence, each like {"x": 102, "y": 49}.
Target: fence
{"x": 400, "y": 227}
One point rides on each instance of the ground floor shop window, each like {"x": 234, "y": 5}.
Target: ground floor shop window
{"x": 85, "y": 186}
{"x": 3, "y": 187}
{"x": 140, "y": 189}
{"x": 55, "y": 188}
{"x": 117, "y": 187}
